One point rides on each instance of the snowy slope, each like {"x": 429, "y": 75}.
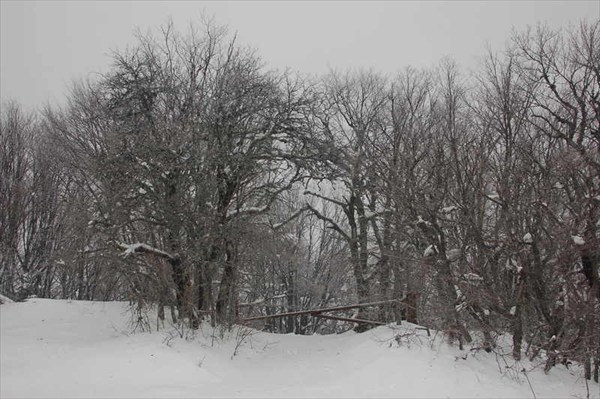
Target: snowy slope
{"x": 85, "y": 349}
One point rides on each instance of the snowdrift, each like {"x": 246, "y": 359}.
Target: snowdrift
{"x": 68, "y": 349}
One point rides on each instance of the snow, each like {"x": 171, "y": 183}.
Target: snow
{"x": 420, "y": 220}
{"x": 68, "y": 349}
{"x": 453, "y": 254}
{"x": 370, "y": 215}
{"x": 473, "y": 278}
{"x": 519, "y": 269}
{"x": 449, "y": 209}
{"x": 245, "y": 210}
{"x": 578, "y": 240}
{"x": 5, "y": 299}
{"x": 130, "y": 249}
{"x": 527, "y": 238}
{"x": 276, "y": 226}
{"x": 430, "y": 250}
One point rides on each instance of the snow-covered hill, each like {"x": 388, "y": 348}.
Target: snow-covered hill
{"x": 86, "y": 349}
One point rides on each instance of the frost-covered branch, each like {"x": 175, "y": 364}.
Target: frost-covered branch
{"x": 279, "y": 225}
{"x": 130, "y": 249}
{"x": 333, "y": 224}
{"x": 333, "y": 201}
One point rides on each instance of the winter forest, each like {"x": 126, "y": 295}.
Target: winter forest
{"x": 193, "y": 180}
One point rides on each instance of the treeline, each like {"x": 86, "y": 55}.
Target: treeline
{"x": 192, "y": 176}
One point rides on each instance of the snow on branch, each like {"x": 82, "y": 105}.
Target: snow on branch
{"x": 578, "y": 240}
{"x": 331, "y": 222}
{"x": 250, "y": 210}
{"x": 332, "y": 200}
{"x": 422, "y": 222}
{"x": 448, "y": 209}
{"x": 130, "y": 249}
{"x": 255, "y": 210}
{"x": 370, "y": 215}
{"x": 277, "y": 226}
{"x": 430, "y": 251}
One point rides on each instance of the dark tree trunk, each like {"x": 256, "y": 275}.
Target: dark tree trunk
{"x": 225, "y": 304}
{"x": 589, "y": 264}
{"x": 517, "y": 327}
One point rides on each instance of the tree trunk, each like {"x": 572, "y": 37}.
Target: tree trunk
{"x": 225, "y": 312}
{"x": 517, "y": 327}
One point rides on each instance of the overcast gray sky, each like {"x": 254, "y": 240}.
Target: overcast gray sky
{"x": 46, "y": 44}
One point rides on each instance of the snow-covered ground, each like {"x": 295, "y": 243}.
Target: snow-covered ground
{"x": 68, "y": 349}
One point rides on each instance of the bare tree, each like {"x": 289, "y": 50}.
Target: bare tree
{"x": 30, "y": 213}
{"x": 183, "y": 143}
{"x": 563, "y": 68}
{"x": 353, "y": 112}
